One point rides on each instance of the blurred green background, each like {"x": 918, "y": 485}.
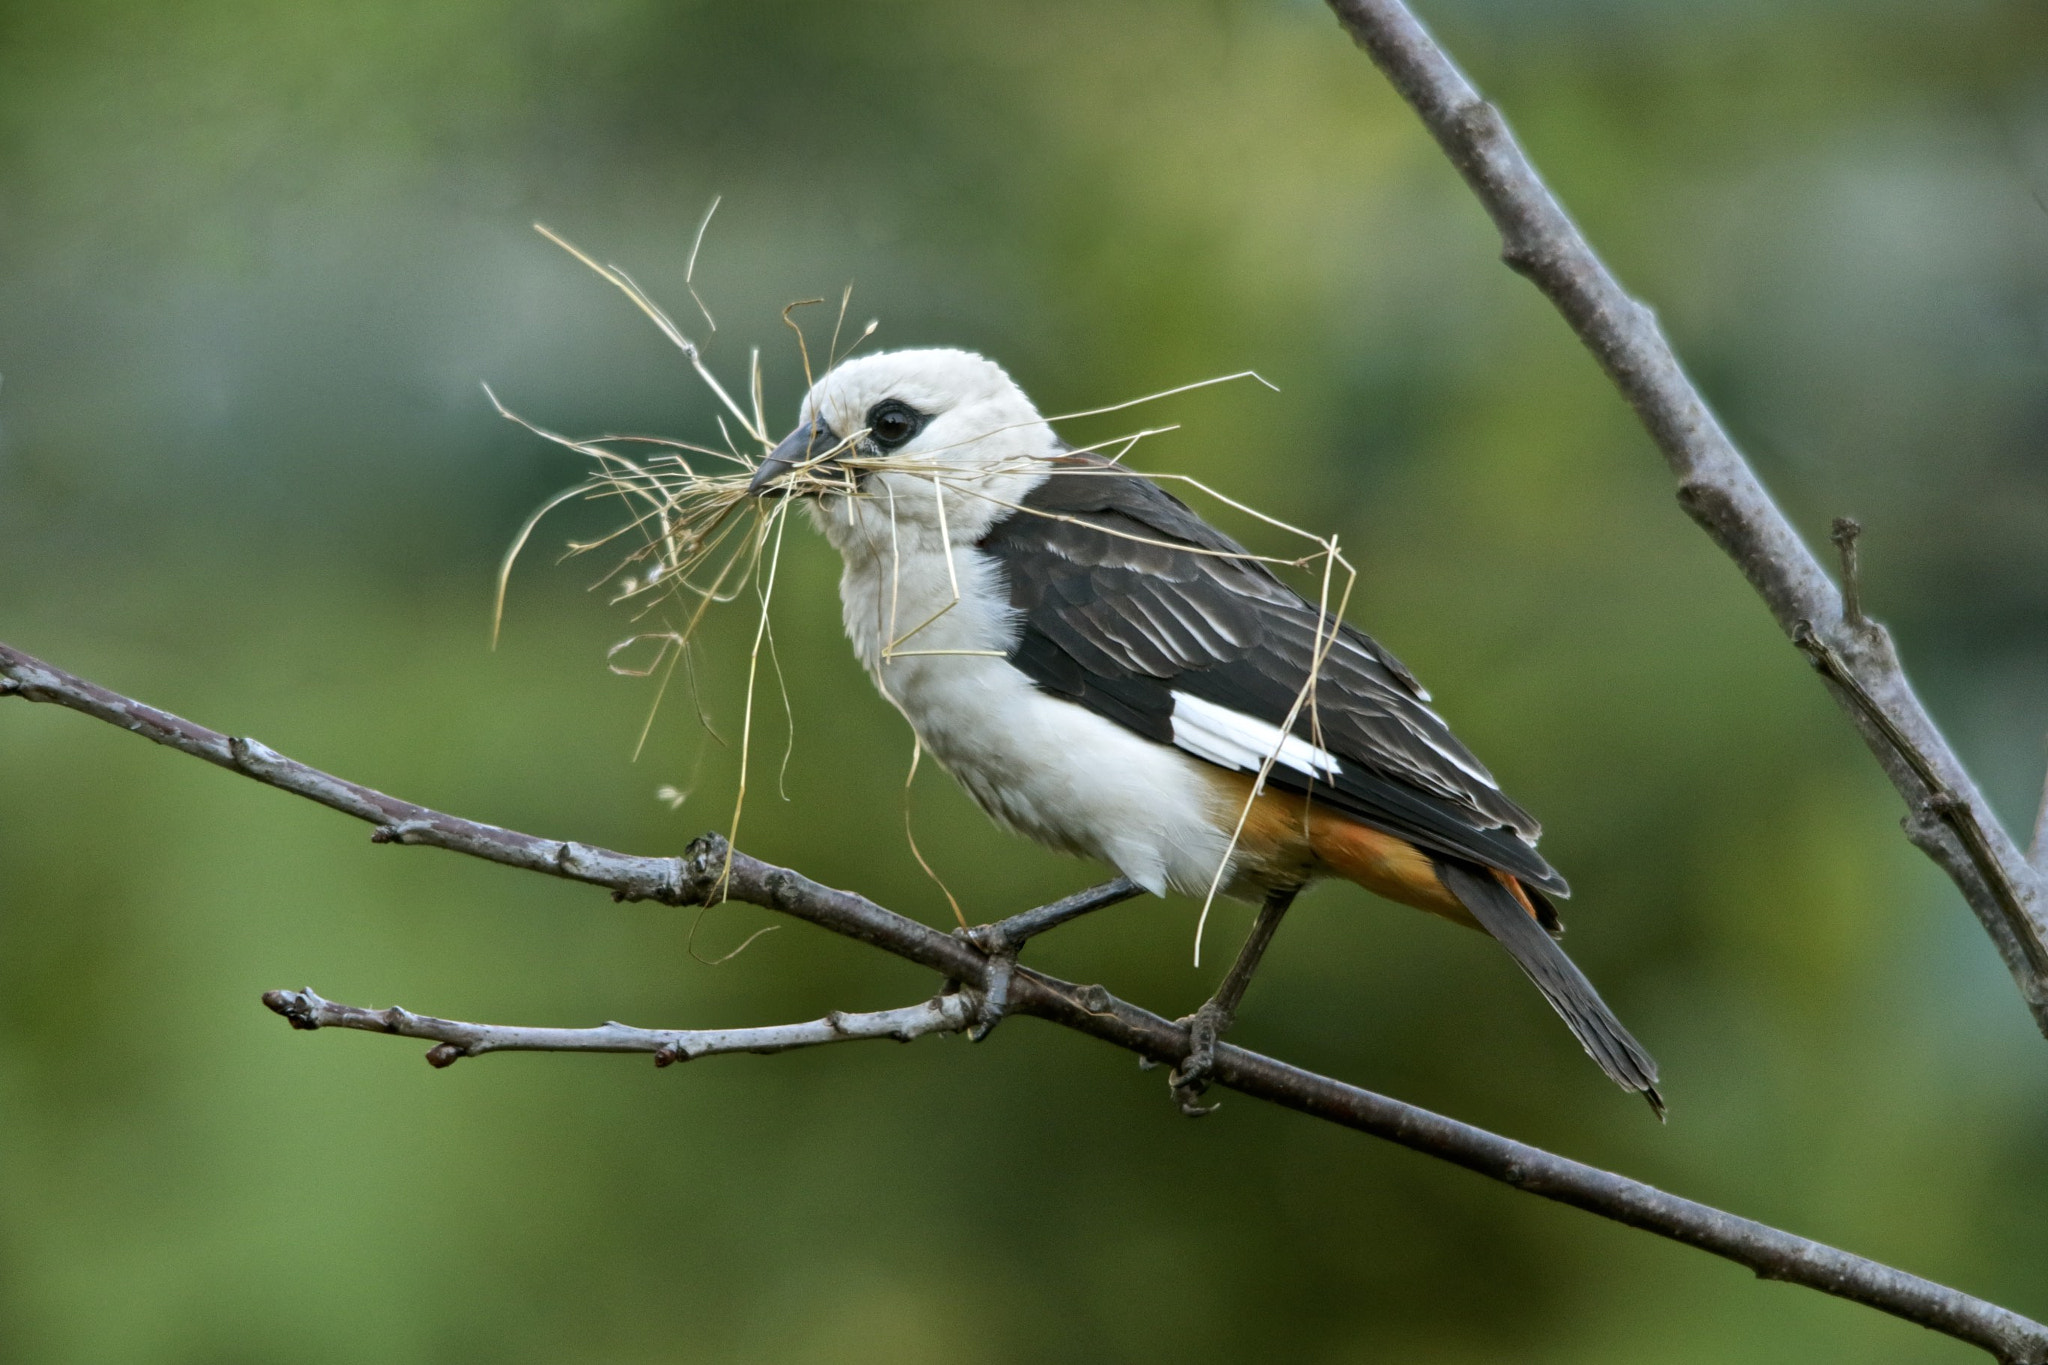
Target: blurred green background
{"x": 254, "y": 262}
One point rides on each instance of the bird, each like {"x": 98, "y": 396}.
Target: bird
{"x": 1109, "y": 675}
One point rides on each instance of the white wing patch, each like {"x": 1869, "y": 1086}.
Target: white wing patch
{"x": 1231, "y": 739}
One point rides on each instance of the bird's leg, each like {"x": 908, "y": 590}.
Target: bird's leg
{"x": 1215, "y": 1017}
{"x": 1003, "y": 939}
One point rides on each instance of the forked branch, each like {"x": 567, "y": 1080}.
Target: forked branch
{"x": 1948, "y": 818}
{"x": 711, "y": 869}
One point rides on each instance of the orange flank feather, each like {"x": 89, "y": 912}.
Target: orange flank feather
{"x": 1288, "y": 839}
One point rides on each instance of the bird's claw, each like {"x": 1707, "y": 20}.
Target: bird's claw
{"x": 994, "y": 998}
{"x": 1190, "y": 1079}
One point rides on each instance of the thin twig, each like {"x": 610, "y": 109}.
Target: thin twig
{"x": 2039, "y": 856}
{"x": 1008, "y": 935}
{"x": 1939, "y": 804}
{"x": 1719, "y": 490}
{"x": 1844, "y": 534}
{"x": 711, "y": 868}
{"x": 949, "y": 1013}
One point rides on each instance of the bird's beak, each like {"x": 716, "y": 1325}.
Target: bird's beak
{"x": 801, "y": 447}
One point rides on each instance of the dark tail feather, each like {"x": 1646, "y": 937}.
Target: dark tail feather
{"x": 1560, "y": 980}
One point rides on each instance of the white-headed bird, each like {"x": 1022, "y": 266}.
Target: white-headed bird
{"x": 1108, "y": 674}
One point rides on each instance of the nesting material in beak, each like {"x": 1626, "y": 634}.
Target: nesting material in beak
{"x": 802, "y": 447}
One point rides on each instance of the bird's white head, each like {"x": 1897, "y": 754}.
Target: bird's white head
{"x": 934, "y": 441}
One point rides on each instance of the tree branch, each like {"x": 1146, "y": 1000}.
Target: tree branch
{"x": 398, "y": 822}
{"x": 710, "y": 870}
{"x": 1949, "y": 819}
{"x": 947, "y": 1013}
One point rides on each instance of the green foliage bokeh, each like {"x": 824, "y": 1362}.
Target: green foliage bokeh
{"x": 255, "y": 261}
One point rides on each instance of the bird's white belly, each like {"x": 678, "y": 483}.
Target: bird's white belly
{"x": 1045, "y": 767}
{"x": 1063, "y": 775}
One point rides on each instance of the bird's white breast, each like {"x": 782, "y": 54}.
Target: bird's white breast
{"x": 934, "y": 638}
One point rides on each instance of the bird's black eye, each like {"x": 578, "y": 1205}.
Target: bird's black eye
{"x": 892, "y": 422}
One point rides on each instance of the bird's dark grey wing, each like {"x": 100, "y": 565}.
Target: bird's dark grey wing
{"x": 1137, "y": 609}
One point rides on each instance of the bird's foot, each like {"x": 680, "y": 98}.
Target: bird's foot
{"x": 994, "y": 998}
{"x": 1190, "y": 1079}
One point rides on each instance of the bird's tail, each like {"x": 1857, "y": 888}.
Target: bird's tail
{"x": 1504, "y": 915}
